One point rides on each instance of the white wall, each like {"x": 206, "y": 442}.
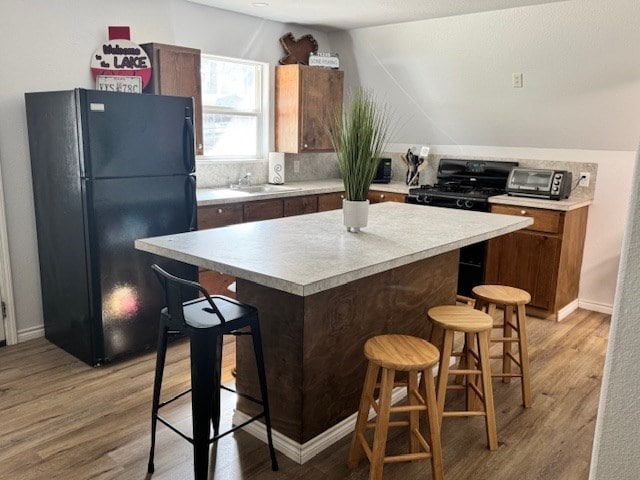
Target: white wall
{"x": 48, "y": 46}
{"x": 617, "y": 436}
{"x": 450, "y": 81}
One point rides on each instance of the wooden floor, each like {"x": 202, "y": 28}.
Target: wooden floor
{"x": 61, "y": 419}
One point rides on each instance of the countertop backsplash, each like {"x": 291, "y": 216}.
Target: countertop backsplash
{"x": 322, "y": 166}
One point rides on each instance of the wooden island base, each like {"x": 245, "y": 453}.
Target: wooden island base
{"x": 313, "y": 345}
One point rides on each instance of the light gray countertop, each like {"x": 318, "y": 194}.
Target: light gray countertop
{"x": 220, "y": 196}
{"x": 571, "y": 203}
{"x": 310, "y": 253}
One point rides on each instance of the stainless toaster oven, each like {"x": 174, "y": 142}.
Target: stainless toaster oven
{"x": 531, "y": 182}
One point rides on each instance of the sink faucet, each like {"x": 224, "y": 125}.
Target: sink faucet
{"x": 245, "y": 181}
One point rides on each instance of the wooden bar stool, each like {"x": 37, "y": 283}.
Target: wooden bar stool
{"x": 386, "y": 354}
{"x": 475, "y": 365}
{"x": 514, "y": 330}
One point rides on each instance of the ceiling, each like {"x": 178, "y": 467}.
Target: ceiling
{"x": 331, "y": 15}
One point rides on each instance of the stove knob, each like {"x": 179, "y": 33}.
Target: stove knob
{"x": 459, "y": 203}
{"x": 468, "y": 204}
{"x": 427, "y": 199}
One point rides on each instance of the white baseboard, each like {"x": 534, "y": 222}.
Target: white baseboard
{"x": 30, "y": 333}
{"x": 301, "y": 453}
{"x": 596, "y": 307}
{"x": 567, "y": 310}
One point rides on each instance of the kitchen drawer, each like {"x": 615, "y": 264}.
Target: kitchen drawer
{"x": 377, "y": 196}
{"x": 219, "y": 215}
{"x": 263, "y": 210}
{"x": 330, "y": 201}
{"x": 548, "y": 221}
{"x": 300, "y": 205}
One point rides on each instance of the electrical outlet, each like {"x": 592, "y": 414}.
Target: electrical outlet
{"x": 424, "y": 152}
{"x": 584, "y": 179}
{"x": 296, "y": 166}
{"x": 516, "y": 80}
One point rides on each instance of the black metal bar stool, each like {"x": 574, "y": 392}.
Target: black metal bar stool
{"x": 205, "y": 321}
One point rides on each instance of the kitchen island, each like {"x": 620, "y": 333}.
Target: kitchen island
{"x": 322, "y": 292}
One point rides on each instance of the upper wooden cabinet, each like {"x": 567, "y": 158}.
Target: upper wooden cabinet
{"x": 176, "y": 71}
{"x": 305, "y": 99}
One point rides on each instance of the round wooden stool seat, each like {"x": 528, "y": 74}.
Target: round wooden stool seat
{"x": 502, "y": 294}
{"x": 460, "y": 318}
{"x": 401, "y": 352}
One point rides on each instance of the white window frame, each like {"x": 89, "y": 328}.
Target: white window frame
{"x": 261, "y": 113}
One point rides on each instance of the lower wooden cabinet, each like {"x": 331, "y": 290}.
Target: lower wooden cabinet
{"x": 376, "y": 196}
{"x": 300, "y": 205}
{"x": 330, "y": 201}
{"x": 263, "y": 210}
{"x": 212, "y": 216}
{"x": 543, "y": 259}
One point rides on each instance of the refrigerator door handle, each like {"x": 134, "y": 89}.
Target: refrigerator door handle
{"x": 189, "y": 141}
{"x": 193, "y": 201}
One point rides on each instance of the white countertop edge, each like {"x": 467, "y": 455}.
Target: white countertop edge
{"x": 562, "y": 205}
{"x": 331, "y": 282}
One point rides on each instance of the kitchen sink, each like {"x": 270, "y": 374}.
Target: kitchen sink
{"x": 243, "y": 192}
{"x": 262, "y": 189}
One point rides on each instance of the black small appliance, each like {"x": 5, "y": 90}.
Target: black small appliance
{"x": 383, "y": 175}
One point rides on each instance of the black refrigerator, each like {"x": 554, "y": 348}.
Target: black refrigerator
{"x": 108, "y": 168}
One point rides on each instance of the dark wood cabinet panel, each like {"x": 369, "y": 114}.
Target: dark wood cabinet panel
{"x": 219, "y": 215}
{"x": 544, "y": 259}
{"x": 300, "y": 205}
{"x": 176, "y": 71}
{"x": 377, "y": 196}
{"x": 330, "y": 201}
{"x": 217, "y": 283}
{"x": 528, "y": 261}
{"x": 305, "y": 99}
{"x": 263, "y": 210}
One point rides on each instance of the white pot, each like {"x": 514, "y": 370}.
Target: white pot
{"x": 355, "y": 214}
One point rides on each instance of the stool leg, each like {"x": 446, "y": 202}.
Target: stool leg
{"x": 443, "y": 371}
{"x": 382, "y": 425}
{"x": 523, "y": 349}
{"x": 217, "y": 375}
{"x": 434, "y": 425}
{"x": 487, "y": 389}
{"x": 203, "y": 359}
{"x": 506, "y": 346}
{"x": 256, "y": 336}
{"x": 356, "y": 451}
{"x": 414, "y": 416}
{"x": 157, "y": 386}
{"x": 470, "y": 363}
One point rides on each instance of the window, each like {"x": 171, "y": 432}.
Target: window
{"x": 233, "y": 108}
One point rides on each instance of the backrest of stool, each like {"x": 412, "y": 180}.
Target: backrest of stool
{"x": 174, "y": 288}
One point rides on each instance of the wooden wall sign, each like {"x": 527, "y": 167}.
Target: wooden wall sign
{"x": 120, "y": 57}
{"x": 297, "y": 50}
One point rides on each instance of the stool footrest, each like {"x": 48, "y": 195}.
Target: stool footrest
{"x": 464, "y": 413}
{"x": 407, "y": 457}
{"x": 505, "y": 339}
{"x": 167, "y": 402}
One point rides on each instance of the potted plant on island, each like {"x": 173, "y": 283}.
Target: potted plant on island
{"x": 359, "y": 134}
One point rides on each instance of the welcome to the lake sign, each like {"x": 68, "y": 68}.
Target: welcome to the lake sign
{"x": 119, "y": 59}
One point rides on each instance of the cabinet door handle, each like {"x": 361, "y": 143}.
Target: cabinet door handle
{"x": 382, "y": 196}
{"x": 306, "y": 145}
{"x": 523, "y": 212}
{"x": 219, "y": 210}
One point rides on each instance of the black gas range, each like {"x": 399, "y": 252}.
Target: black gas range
{"x": 465, "y": 184}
